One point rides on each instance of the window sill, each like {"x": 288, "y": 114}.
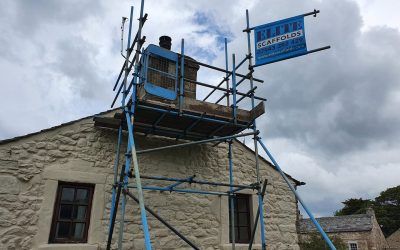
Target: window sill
{"x": 240, "y": 246}
{"x": 69, "y": 246}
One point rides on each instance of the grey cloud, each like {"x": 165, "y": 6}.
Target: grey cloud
{"x": 76, "y": 61}
{"x": 32, "y": 15}
{"x": 335, "y": 101}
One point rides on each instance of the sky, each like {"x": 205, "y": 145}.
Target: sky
{"x": 332, "y": 118}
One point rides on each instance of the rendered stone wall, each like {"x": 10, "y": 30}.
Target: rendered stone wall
{"x": 30, "y": 168}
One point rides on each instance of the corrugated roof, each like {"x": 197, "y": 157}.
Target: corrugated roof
{"x": 346, "y": 223}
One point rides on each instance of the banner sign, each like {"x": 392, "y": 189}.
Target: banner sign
{"x": 279, "y": 40}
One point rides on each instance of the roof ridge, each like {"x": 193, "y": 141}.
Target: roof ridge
{"x": 340, "y": 216}
{"x": 344, "y": 223}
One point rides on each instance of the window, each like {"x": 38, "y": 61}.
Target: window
{"x": 353, "y": 246}
{"x": 71, "y": 215}
{"x": 242, "y": 219}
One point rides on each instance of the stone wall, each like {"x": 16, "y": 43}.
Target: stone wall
{"x": 394, "y": 240}
{"x": 372, "y": 239}
{"x": 31, "y": 166}
{"x": 377, "y": 239}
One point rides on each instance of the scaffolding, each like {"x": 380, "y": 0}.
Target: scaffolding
{"x": 141, "y": 115}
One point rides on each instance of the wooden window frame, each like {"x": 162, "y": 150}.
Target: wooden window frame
{"x": 248, "y": 199}
{"x": 56, "y": 211}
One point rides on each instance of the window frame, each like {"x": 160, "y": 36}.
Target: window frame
{"x": 353, "y": 242}
{"x": 249, "y": 212}
{"x": 56, "y": 211}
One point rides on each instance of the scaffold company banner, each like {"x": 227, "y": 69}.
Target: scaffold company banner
{"x": 279, "y": 40}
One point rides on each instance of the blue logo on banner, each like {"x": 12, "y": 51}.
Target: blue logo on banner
{"x": 280, "y": 40}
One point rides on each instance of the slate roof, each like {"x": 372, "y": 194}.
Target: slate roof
{"x": 346, "y": 223}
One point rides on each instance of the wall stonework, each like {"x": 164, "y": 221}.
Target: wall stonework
{"x": 362, "y": 229}
{"x": 31, "y": 166}
{"x": 394, "y": 240}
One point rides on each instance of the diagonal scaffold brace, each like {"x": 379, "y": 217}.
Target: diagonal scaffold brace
{"x": 130, "y": 156}
{"x": 314, "y": 221}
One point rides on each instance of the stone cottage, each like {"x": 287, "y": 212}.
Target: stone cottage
{"x": 55, "y": 193}
{"x": 359, "y": 231}
{"x": 394, "y": 240}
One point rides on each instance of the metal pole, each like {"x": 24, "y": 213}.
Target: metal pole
{"x": 229, "y": 74}
{"x": 189, "y": 191}
{"x": 250, "y": 92}
{"x": 182, "y": 76}
{"x": 189, "y": 179}
{"x": 113, "y": 212}
{"x": 123, "y": 201}
{"x": 260, "y": 200}
{"x": 226, "y": 74}
{"x": 128, "y": 53}
{"x": 223, "y": 70}
{"x": 138, "y": 183}
{"x": 234, "y": 90}
{"x": 201, "y": 182}
{"x": 130, "y": 31}
{"x": 164, "y": 222}
{"x": 195, "y": 142}
{"x": 139, "y": 44}
{"x": 314, "y": 13}
{"x": 283, "y": 59}
{"x": 231, "y": 196}
{"x": 253, "y": 231}
{"x": 222, "y": 89}
{"x": 237, "y": 85}
{"x": 278, "y": 168}
{"x": 116, "y": 163}
{"x": 131, "y": 48}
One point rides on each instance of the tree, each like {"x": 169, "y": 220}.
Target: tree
{"x": 386, "y": 207}
{"x": 354, "y": 206}
{"x": 387, "y": 210}
{"x": 316, "y": 242}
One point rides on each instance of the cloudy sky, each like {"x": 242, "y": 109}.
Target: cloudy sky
{"x": 332, "y": 117}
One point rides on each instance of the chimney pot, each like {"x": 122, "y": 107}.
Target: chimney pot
{"x": 165, "y": 42}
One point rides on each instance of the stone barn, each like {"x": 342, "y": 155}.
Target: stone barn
{"x": 358, "y": 231}
{"x": 55, "y": 193}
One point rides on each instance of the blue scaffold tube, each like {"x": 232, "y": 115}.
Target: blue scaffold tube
{"x": 190, "y": 191}
{"x": 317, "y": 225}
{"x": 234, "y": 89}
{"x": 138, "y": 182}
{"x": 114, "y": 189}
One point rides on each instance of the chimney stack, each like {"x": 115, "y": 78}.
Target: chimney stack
{"x": 370, "y": 211}
{"x": 165, "y": 42}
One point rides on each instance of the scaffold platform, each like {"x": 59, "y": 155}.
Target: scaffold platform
{"x": 199, "y": 120}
